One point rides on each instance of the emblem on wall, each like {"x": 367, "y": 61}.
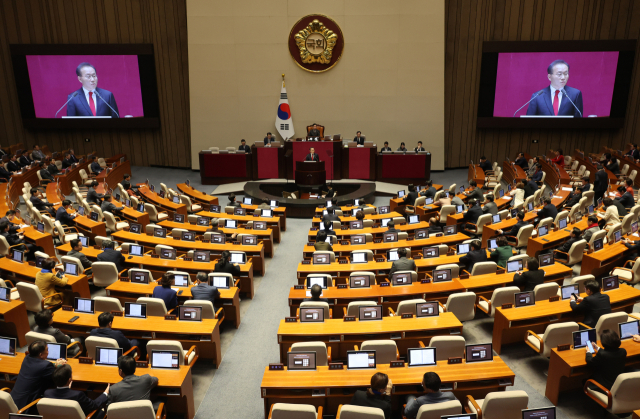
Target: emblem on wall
{"x": 316, "y": 43}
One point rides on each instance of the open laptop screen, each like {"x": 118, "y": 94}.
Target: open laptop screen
{"x": 442, "y": 275}
{"x": 84, "y": 305}
{"x": 430, "y": 252}
{"x": 139, "y": 277}
{"x": 359, "y": 281}
{"x": 478, "y": 353}
{"x": 219, "y": 281}
{"x": 57, "y": 351}
{"x": 628, "y": 329}
{"x": 539, "y": 413}
{"x": 202, "y": 256}
{"x": 524, "y": 299}
{"x": 610, "y": 283}
{"x": 581, "y": 337}
{"x": 7, "y": 346}
{"x": 401, "y": 278}
{"x": 311, "y": 314}
{"x": 420, "y": 357}
{"x": 108, "y": 356}
{"x": 190, "y": 313}
{"x": 546, "y": 259}
{"x": 165, "y": 359}
{"x": 567, "y": 290}
{"x": 361, "y": 359}
{"x": 135, "y": 310}
{"x": 135, "y": 250}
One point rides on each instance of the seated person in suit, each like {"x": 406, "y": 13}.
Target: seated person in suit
{"x": 312, "y": 156}
{"x": 622, "y": 210}
{"x": 626, "y": 197}
{"x": 126, "y": 183}
{"x": 429, "y": 191}
{"x": 607, "y": 363}
{"x": 105, "y": 322}
{"x": 232, "y": 201}
{"x": 402, "y": 147}
{"x": 314, "y": 132}
{"x": 95, "y": 167}
{"x": 14, "y": 164}
{"x": 490, "y": 207}
{"x": 63, "y": 216}
{"x": 476, "y": 254}
{"x": 62, "y": 378}
{"x": 586, "y": 186}
{"x": 94, "y": 197}
{"x": 44, "y": 173}
{"x": 261, "y": 204}
{"x": 377, "y": 395}
{"x": 485, "y": 164}
{"x": 402, "y": 264}
{"x": 611, "y": 216}
{"x": 386, "y": 147}
{"x": 419, "y": 147}
{"x": 67, "y": 161}
{"x": 76, "y": 252}
{"x": 321, "y": 243}
{"x": 244, "y": 147}
{"x": 433, "y": 226}
{"x": 530, "y": 187}
{"x": 537, "y": 175}
{"x": 223, "y": 265}
{"x": 4, "y": 173}
{"x": 613, "y": 164}
{"x": 516, "y": 228}
{"x": 16, "y": 240}
{"x": 204, "y": 291}
{"x": 328, "y": 225}
{"x": 25, "y": 160}
{"x": 132, "y": 387}
{"x": 475, "y": 192}
{"x": 331, "y": 215}
{"x": 10, "y": 217}
{"x": 410, "y": 198}
{"x": 574, "y": 197}
{"x": 39, "y": 204}
{"x": 37, "y": 154}
{"x": 391, "y": 227}
{"x": 634, "y": 153}
{"x": 316, "y": 292}
{"x": 592, "y": 227}
{"x": 522, "y": 162}
{"x": 358, "y": 139}
{"x": 72, "y": 156}
{"x": 268, "y": 139}
{"x": 328, "y": 191}
{"x": 594, "y": 305}
{"x": 548, "y": 209}
{"x": 110, "y": 254}
{"x": 502, "y": 253}
{"x": 473, "y": 213}
{"x": 44, "y": 320}
{"x": 35, "y": 375}
{"x": 107, "y": 205}
{"x": 52, "y": 167}
{"x": 166, "y": 293}
{"x": 431, "y": 383}
{"x": 527, "y": 280}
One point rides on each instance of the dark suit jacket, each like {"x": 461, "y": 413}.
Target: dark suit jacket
{"x": 528, "y": 280}
{"x": 12, "y": 239}
{"x": 359, "y": 141}
{"x": 360, "y": 398}
{"x": 574, "y": 199}
{"x": 39, "y": 204}
{"x": 626, "y": 200}
{"x": 429, "y": 193}
{"x": 602, "y": 181}
{"x": 530, "y": 189}
{"x": 34, "y": 378}
{"x": 13, "y": 228}
{"x": 537, "y": 176}
{"x": 245, "y": 148}
{"x": 592, "y": 306}
{"x": 132, "y": 388}
{"x": 94, "y": 197}
{"x": 86, "y": 404}
{"x": 490, "y": 208}
{"x": 385, "y": 149}
{"x": 95, "y": 167}
{"x": 4, "y": 174}
{"x": 416, "y": 149}
{"x": 473, "y": 257}
{"x": 13, "y": 166}
{"x": 105, "y": 332}
{"x": 110, "y": 255}
{"x": 607, "y": 365}
{"x": 63, "y": 216}
{"x": 486, "y": 165}
{"x": 522, "y": 162}
{"x": 403, "y": 264}
{"x": 472, "y": 215}
{"x": 476, "y": 194}
{"x": 25, "y": 161}
{"x": 622, "y": 211}
{"x": 168, "y": 295}
{"x": 205, "y": 292}
{"x": 73, "y": 158}
{"x": 314, "y": 133}
{"x": 516, "y": 228}
{"x": 228, "y": 267}
{"x": 331, "y": 217}
{"x": 80, "y": 107}
{"x": 108, "y": 206}
{"x": 86, "y": 263}
{"x": 547, "y": 211}
{"x": 44, "y": 173}
{"x": 267, "y": 141}
{"x": 67, "y": 163}
{"x": 614, "y": 166}
{"x": 316, "y": 157}
{"x": 541, "y": 105}
{"x": 411, "y": 197}
{"x": 566, "y": 246}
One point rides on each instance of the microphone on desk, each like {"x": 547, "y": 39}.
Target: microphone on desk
{"x": 534, "y": 96}
{"x": 574, "y": 105}
{"x": 65, "y": 104}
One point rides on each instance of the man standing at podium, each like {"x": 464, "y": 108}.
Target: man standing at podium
{"x": 315, "y": 132}
{"x": 359, "y": 139}
{"x": 312, "y": 156}
{"x": 551, "y": 101}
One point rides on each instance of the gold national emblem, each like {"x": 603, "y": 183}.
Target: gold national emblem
{"x": 316, "y": 43}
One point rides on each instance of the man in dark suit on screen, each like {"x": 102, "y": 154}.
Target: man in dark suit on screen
{"x": 312, "y": 156}
{"x": 556, "y": 99}
{"x": 90, "y": 100}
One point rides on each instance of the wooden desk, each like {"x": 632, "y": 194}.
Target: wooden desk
{"x": 79, "y": 285}
{"x": 273, "y": 222}
{"x": 162, "y": 204}
{"x": 490, "y": 230}
{"x": 129, "y": 292}
{"x": 66, "y": 180}
{"x": 341, "y": 335}
{"x": 510, "y": 325}
{"x": 593, "y": 169}
{"x": 44, "y": 240}
{"x": 197, "y": 196}
{"x": 315, "y": 222}
{"x": 84, "y": 224}
{"x": 502, "y": 203}
{"x": 175, "y": 385}
{"x": 476, "y": 173}
{"x": 277, "y": 212}
{"x": 512, "y": 172}
{"x": 15, "y": 322}
{"x": 568, "y": 369}
{"x": 604, "y": 260}
{"x": 204, "y": 334}
{"x": 395, "y": 202}
{"x": 377, "y": 232}
{"x": 264, "y": 236}
{"x": 475, "y": 379}
{"x": 343, "y": 208}
{"x": 537, "y": 245}
{"x": 114, "y": 176}
{"x": 255, "y": 254}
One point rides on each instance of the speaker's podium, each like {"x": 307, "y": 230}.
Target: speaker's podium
{"x": 310, "y": 173}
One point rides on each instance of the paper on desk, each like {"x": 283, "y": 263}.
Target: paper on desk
{"x": 308, "y": 293}
{"x": 612, "y": 194}
{"x": 635, "y": 234}
{"x": 556, "y": 196}
{"x": 508, "y": 198}
{"x": 567, "y": 189}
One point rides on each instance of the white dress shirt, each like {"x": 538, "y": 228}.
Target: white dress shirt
{"x": 553, "y": 95}
{"x": 95, "y": 99}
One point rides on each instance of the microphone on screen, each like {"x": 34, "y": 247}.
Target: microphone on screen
{"x": 535, "y": 96}
{"x": 65, "y": 104}
{"x": 98, "y": 94}
{"x": 564, "y": 92}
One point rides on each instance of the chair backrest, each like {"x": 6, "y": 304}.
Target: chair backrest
{"x": 408, "y": 306}
{"x": 33, "y": 336}
{"x": 438, "y": 195}
{"x": 159, "y": 247}
{"x": 104, "y": 273}
{"x": 596, "y": 236}
{"x": 93, "y": 341}
{"x": 318, "y": 304}
{"x": 589, "y": 195}
{"x": 626, "y": 222}
{"x": 580, "y": 280}
{"x": 523, "y": 257}
{"x": 100, "y": 239}
{"x": 560, "y": 216}
{"x": 545, "y": 291}
{"x": 166, "y": 345}
{"x": 558, "y": 334}
{"x": 97, "y": 209}
{"x": 320, "y": 348}
{"x": 4, "y": 246}
{"x": 610, "y": 321}
{"x": 348, "y": 411}
{"x": 523, "y": 236}
{"x": 354, "y": 307}
{"x": 30, "y": 294}
{"x": 504, "y": 404}
{"x": 576, "y": 252}
{"x": 139, "y": 409}
{"x": 447, "y": 347}
{"x": 155, "y": 306}
{"x": 445, "y": 211}
{"x": 107, "y": 304}
{"x": 455, "y": 269}
{"x": 483, "y": 268}
{"x": 624, "y": 392}
{"x": 462, "y": 304}
{"x": 293, "y": 411}
{"x": 612, "y": 229}
{"x": 483, "y": 220}
{"x": 208, "y": 311}
{"x": 367, "y": 223}
{"x": 503, "y": 295}
{"x": 437, "y": 410}
{"x": 452, "y": 189}
{"x": 60, "y": 409}
{"x": 7, "y": 405}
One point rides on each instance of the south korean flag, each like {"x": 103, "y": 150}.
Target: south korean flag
{"x": 284, "y": 123}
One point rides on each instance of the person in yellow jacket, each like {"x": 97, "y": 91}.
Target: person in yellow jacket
{"x": 46, "y": 280}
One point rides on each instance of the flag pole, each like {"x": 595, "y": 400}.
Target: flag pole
{"x": 283, "y": 80}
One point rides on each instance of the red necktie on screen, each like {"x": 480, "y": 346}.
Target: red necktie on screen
{"x": 93, "y": 105}
{"x": 555, "y": 103}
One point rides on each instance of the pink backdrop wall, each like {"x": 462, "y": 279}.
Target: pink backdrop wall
{"x": 53, "y": 78}
{"x": 520, "y": 74}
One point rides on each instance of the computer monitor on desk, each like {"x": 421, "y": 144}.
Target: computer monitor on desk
{"x": 301, "y": 361}
{"x": 479, "y": 353}
{"x": 539, "y": 413}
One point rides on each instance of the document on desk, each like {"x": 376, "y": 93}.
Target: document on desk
{"x": 556, "y": 196}
{"x": 567, "y": 189}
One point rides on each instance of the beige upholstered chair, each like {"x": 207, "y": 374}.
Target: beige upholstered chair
{"x": 629, "y": 275}
{"x": 610, "y": 321}
{"x": 347, "y": 411}
{"x": 623, "y": 396}
{"x": 353, "y": 309}
{"x": 33, "y": 336}
{"x": 546, "y": 222}
{"x": 522, "y": 239}
{"x": 318, "y": 304}
{"x": 332, "y": 256}
{"x": 575, "y": 252}
{"x": 107, "y": 304}
{"x": 408, "y": 306}
{"x": 368, "y": 253}
{"x": 437, "y": 410}
{"x": 554, "y": 335}
{"x": 323, "y": 353}
{"x": 499, "y": 405}
{"x": 155, "y": 215}
{"x": 112, "y": 224}
{"x": 477, "y": 228}
{"x": 139, "y": 409}
{"x": 14, "y": 294}
{"x": 7, "y": 406}
{"x": 155, "y": 306}
{"x": 462, "y": 304}
{"x": 447, "y": 347}
{"x": 104, "y": 273}
{"x": 500, "y": 296}
{"x": 484, "y": 268}
{"x": 545, "y": 291}
{"x": 597, "y": 236}
{"x": 30, "y": 294}
{"x": 294, "y": 411}
{"x": 455, "y": 269}
{"x": 191, "y": 208}
{"x": 93, "y": 341}
{"x": 188, "y": 357}
{"x": 59, "y": 409}
{"x": 445, "y": 211}
{"x": 386, "y": 350}
{"x": 208, "y": 311}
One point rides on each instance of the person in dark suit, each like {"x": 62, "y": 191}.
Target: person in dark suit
{"x": 95, "y": 167}
{"x": 90, "y": 100}
{"x": 328, "y": 228}
{"x": 429, "y": 191}
{"x": 485, "y": 164}
{"x": 14, "y": 165}
{"x": 386, "y": 147}
{"x": 126, "y": 182}
{"x": 592, "y": 227}
{"x": 475, "y": 255}
{"x": 530, "y": 187}
{"x": 94, "y": 197}
{"x": 391, "y": 227}
{"x": 594, "y": 305}
{"x": 39, "y": 204}
{"x": 431, "y": 384}
{"x": 622, "y": 211}
{"x": 402, "y": 264}
{"x": 613, "y": 164}
{"x": 548, "y": 209}
{"x": 626, "y": 198}
{"x": 107, "y": 205}
{"x": 72, "y": 156}
{"x": 224, "y": 265}
{"x": 475, "y": 193}
{"x": 312, "y": 156}
{"x": 132, "y": 387}
{"x": 166, "y": 293}
{"x": 537, "y": 175}
{"x": 35, "y": 375}
{"x": 558, "y": 97}
{"x": 63, "y": 216}
{"x": 4, "y": 173}
{"x": 204, "y": 291}
{"x": 634, "y": 153}
{"x": 527, "y": 280}
{"x": 601, "y": 183}
{"x": 473, "y": 213}
{"x": 490, "y": 207}
{"x": 586, "y": 186}
{"x": 419, "y": 147}
{"x": 321, "y": 243}
{"x": 328, "y": 191}
{"x": 44, "y": 173}
{"x": 67, "y": 161}
{"x": 268, "y": 139}
{"x": 358, "y": 139}
{"x": 522, "y": 162}
{"x": 62, "y": 378}
{"x": 516, "y": 228}
{"x": 8, "y": 218}
{"x": 37, "y": 154}
{"x": 629, "y": 185}
{"x": 105, "y": 323}
{"x": 410, "y": 198}
{"x": 109, "y": 254}
{"x": 377, "y": 395}
{"x": 574, "y": 197}
{"x": 76, "y": 252}
{"x": 25, "y": 160}
{"x": 244, "y": 147}
{"x": 16, "y": 240}
{"x": 402, "y": 147}
{"x": 44, "y": 321}
{"x": 314, "y": 132}
{"x": 607, "y": 363}
{"x": 316, "y": 292}
{"x": 573, "y": 237}
{"x": 330, "y": 215}
{"x": 232, "y": 201}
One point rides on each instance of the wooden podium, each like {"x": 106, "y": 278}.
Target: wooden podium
{"x": 310, "y": 173}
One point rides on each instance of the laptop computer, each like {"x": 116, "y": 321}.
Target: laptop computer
{"x": 135, "y": 310}
{"x": 139, "y": 277}
{"x": 359, "y": 281}
{"x": 219, "y": 281}
{"x": 421, "y": 357}
{"x": 108, "y": 356}
{"x": 311, "y": 315}
{"x": 427, "y": 309}
{"x": 164, "y": 359}
{"x": 190, "y": 313}
{"x": 7, "y": 346}
{"x": 358, "y": 360}
{"x": 84, "y": 305}
{"x": 479, "y": 353}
